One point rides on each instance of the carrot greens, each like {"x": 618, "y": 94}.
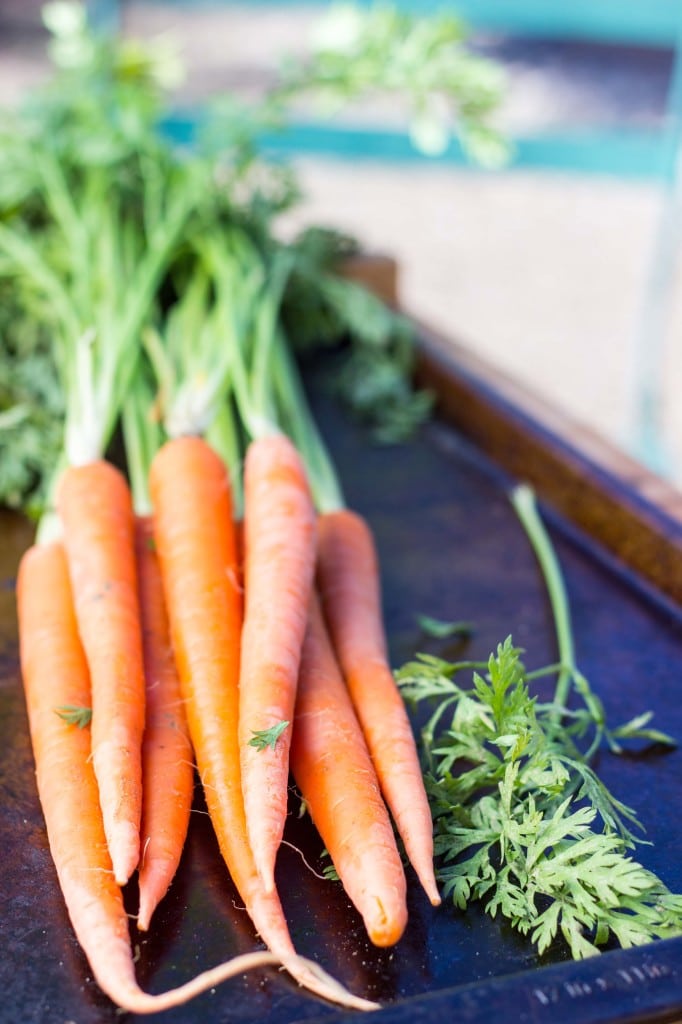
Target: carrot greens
{"x": 264, "y": 738}
{"x": 523, "y": 823}
{"x": 422, "y": 63}
{"x": 99, "y": 208}
{"x": 75, "y": 714}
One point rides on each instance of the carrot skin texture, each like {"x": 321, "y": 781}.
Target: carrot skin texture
{"x": 55, "y": 673}
{"x": 348, "y": 578}
{"x": 196, "y": 543}
{"x": 167, "y": 755}
{"x": 279, "y": 564}
{"x": 95, "y": 508}
{"x": 197, "y": 550}
{"x": 333, "y": 769}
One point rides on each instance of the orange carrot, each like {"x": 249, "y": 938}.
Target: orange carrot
{"x": 348, "y": 578}
{"x": 167, "y": 756}
{"x": 55, "y": 675}
{"x": 95, "y": 508}
{"x": 279, "y": 548}
{"x": 195, "y": 538}
{"x": 333, "y": 769}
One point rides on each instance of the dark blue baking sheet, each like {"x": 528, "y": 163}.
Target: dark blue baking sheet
{"x": 450, "y": 546}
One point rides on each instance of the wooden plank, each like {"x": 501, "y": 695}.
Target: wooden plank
{"x": 633, "y": 513}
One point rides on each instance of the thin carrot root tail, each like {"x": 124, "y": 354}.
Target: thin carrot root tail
{"x": 314, "y": 978}
{"x": 306, "y": 972}
{"x": 130, "y": 997}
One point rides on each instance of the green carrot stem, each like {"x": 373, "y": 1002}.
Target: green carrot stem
{"x": 324, "y": 481}
{"x": 191, "y": 353}
{"x": 249, "y": 311}
{"x": 24, "y": 254}
{"x": 223, "y": 436}
{"x": 523, "y": 500}
{"x": 264, "y": 331}
{"x": 142, "y": 437}
{"x": 148, "y": 276}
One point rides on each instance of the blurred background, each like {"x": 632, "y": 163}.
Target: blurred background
{"x": 560, "y": 269}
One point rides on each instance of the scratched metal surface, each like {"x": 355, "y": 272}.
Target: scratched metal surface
{"x": 450, "y": 546}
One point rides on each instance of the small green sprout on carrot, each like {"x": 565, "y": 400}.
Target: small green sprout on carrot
{"x": 74, "y": 714}
{"x": 264, "y": 738}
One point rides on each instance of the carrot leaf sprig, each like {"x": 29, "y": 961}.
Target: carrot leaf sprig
{"x": 374, "y": 375}
{"x": 523, "y": 823}
{"x": 423, "y": 64}
{"x": 264, "y": 738}
{"x": 75, "y": 714}
{"x": 97, "y": 202}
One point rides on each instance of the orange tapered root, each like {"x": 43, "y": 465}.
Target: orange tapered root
{"x": 334, "y": 771}
{"x": 348, "y": 578}
{"x": 55, "y": 674}
{"x": 196, "y": 544}
{"x": 167, "y": 755}
{"x": 279, "y": 546}
{"x": 95, "y": 508}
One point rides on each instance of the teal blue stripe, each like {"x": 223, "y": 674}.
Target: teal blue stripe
{"x": 104, "y": 15}
{"x": 652, "y": 22}
{"x": 621, "y": 152}
{"x": 655, "y": 22}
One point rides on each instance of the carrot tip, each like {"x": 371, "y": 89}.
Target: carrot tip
{"x": 431, "y": 890}
{"x": 428, "y": 882}
{"x": 124, "y": 858}
{"x": 143, "y": 919}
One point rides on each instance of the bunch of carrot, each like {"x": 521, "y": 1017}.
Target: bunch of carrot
{"x": 218, "y": 609}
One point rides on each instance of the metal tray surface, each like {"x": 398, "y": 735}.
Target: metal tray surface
{"x": 450, "y": 546}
